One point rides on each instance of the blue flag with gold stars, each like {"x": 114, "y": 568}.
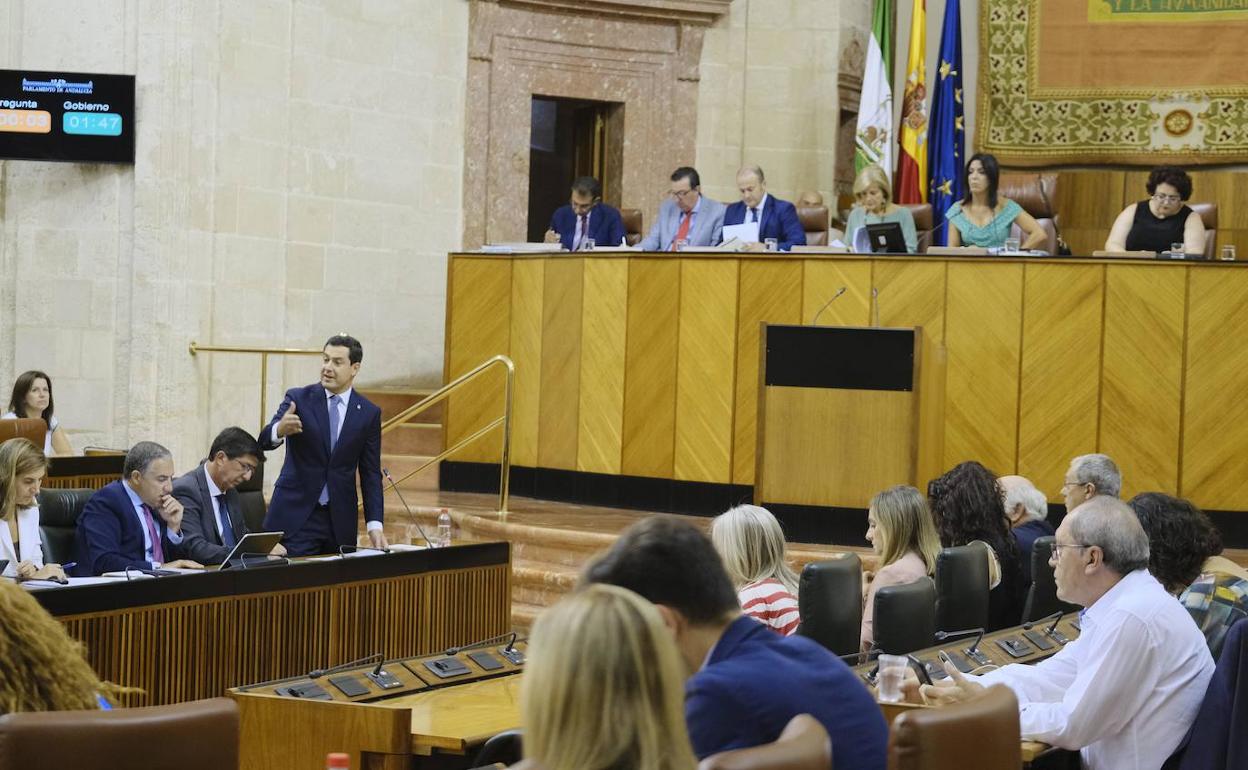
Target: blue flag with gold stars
{"x": 946, "y": 136}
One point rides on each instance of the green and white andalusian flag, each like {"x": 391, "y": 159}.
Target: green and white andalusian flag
{"x": 874, "y": 140}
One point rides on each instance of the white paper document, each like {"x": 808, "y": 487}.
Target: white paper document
{"x": 747, "y": 232}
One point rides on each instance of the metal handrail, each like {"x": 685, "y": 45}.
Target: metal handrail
{"x": 264, "y": 354}
{"x": 439, "y": 395}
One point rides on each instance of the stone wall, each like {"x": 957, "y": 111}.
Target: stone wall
{"x": 298, "y": 173}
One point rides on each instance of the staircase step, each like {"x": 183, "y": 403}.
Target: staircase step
{"x": 395, "y": 400}
{"x": 413, "y": 438}
{"x": 400, "y": 465}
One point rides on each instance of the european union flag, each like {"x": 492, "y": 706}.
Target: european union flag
{"x": 946, "y": 136}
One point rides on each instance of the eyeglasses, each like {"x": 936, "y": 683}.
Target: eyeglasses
{"x": 1070, "y": 484}
{"x": 248, "y": 468}
{"x": 1166, "y": 198}
{"x": 1057, "y": 549}
{"x": 682, "y": 194}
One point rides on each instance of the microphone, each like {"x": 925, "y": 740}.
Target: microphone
{"x": 838, "y": 293}
{"x": 930, "y": 235}
{"x": 971, "y": 652}
{"x": 317, "y": 673}
{"x": 385, "y": 472}
{"x": 1055, "y": 617}
{"x": 510, "y": 636}
{"x": 875, "y": 305}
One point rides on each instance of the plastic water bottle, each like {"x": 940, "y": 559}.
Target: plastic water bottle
{"x": 444, "y": 528}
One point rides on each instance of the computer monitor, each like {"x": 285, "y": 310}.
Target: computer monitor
{"x": 886, "y": 238}
{"x": 253, "y": 545}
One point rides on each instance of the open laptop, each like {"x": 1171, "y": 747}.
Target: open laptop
{"x": 252, "y": 550}
{"x": 886, "y": 238}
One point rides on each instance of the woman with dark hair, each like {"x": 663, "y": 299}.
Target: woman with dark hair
{"x": 1162, "y": 220}
{"x": 1184, "y": 550}
{"x": 32, "y": 397}
{"x": 984, "y": 218}
{"x": 967, "y": 503}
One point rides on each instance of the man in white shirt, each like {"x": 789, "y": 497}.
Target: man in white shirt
{"x": 1125, "y": 692}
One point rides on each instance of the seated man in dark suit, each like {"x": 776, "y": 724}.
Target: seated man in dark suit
{"x": 586, "y": 217}
{"x": 212, "y": 523}
{"x": 745, "y": 681}
{"x": 1026, "y": 509}
{"x": 776, "y": 218}
{"x": 135, "y": 522}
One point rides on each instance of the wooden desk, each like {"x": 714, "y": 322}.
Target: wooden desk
{"x": 637, "y": 373}
{"x": 194, "y": 636}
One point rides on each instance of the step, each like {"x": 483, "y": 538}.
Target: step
{"x": 400, "y": 465}
{"x": 413, "y": 438}
{"x": 395, "y": 400}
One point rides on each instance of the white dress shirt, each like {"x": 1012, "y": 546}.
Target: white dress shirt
{"x": 1125, "y": 692}
{"x": 758, "y": 209}
{"x": 28, "y": 541}
{"x": 174, "y": 537}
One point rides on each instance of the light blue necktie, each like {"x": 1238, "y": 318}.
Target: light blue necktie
{"x": 334, "y": 401}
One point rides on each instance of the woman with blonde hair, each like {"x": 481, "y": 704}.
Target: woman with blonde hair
{"x": 44, "y": 668}
{"x": 750, "y": 542}
{"x": 903, "y": 535}
{"x": 22, "y": 468}
{"x": 604, "y": 687}
{"x": 874, "y": 205}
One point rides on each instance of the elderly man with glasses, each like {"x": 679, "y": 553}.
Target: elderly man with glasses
{"x": 1089, "y": 476}
{"x": 687, "y": 218}
{"x": 1125, "y": 692}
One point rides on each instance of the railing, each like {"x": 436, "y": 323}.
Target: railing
{"x": 439, "y": 395}
{"x": 264, "y": 354}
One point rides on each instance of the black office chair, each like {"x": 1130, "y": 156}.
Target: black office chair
{"x": 504, "y": 747}
{"x": 905, "y": 617}
{"x": 1042, "y": 594}
{"x": 829, "y": 598}
{"x": 962, "y": 588}
{"x": 58, "y": 519}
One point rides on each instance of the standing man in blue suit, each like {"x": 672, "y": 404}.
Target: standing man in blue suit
{"x": 686, "y": 218}
{"x": 586, "y": 217}
{"x": 332, "y": 434}
{"x": 776, "y": 218}
{"x": 135, "y": 522}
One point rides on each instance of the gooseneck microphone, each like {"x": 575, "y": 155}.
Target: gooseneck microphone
{"x": 814, "y": 321}
{"x": 1056, "y": 617}
{"x": 978, "y": 632}
{"x": 510, "y": 636}
{"x": 320, "y": 672}
{"x": 875, "y": 305}
{"x": 411, "y": 517}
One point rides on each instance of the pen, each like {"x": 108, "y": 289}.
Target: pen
{"x": 69, "y": 566}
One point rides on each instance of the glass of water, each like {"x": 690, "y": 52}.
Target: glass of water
{"x": 587, "y": 244}
{"x": 772, "y": 244}
{"x": 1012, "y": 245}
{"x": 1176, "y": 250}
{"x": 1228, "y": 252}
{"x": 892, "y": 674}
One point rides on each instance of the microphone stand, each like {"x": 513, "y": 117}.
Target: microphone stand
{"x": 411, "y": 517}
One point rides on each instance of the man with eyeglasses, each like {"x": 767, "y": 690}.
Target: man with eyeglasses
{"x": 212, "y": 519}
{"x": 1089, "y": 476}
{"x": 1125, "y": 692}
{"x": 687, "y": 218}
{"x": 586, "y": 218}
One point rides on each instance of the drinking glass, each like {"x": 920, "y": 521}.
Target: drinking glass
{"x": 1176, "y": 250}
{"x": 892, "y": 674}
{"x": 772, "y": 244}
{"x": 1228, "y": 252}
{"x": 1012, "y": 245}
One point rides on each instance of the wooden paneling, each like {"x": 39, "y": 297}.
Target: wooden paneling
{"x": 1142, "y": 374}
{"x": 1088, "y": 202}
{"x": 912, "y": 293}
{"x": 527, "y": 291}
{"x": 1228, "y": 189}
{"x": 601, "y": 412}
{"x": 984, "y": 332}
{"x": 561, "y": 364}
{"x": 821, "y": 281}
{"x": 650, "y": 368}
{"x": 705, "y": 370}
{"x": 480, "y": 327}
{"x": 1215, "y": 409}
{"x": 771, "y": 291}
{"x": 1062, "y": 307}
{"x": 809, "y": 464}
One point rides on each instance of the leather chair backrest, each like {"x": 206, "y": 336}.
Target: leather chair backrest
{"x": 904, "y": 619}
{"x": 200, "y": 735}
{"x": 923, "y": 224}
{"x": 980, "y": 732}
{"x": 251, "y": 500}
{"x": 1039, "y": 201}
{"x": 506, "y": 748}
{"x": 34, "y": 429}
{"x": 632, "y": 226}
{"x": 962, "y": 588}
{"x": 58, "y": 519}
{"x": 814, "y": 221}
{"x": 1042, "y": 593}
{"x": 1209, "y": 216}
{"x": 829, "y": 599}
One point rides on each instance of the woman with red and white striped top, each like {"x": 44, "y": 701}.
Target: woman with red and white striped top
{"x": 751, "y": 544}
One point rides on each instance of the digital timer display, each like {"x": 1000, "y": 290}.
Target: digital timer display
{"x": 66, "y": 116}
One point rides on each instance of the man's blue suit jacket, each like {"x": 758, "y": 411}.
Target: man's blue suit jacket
{"x": 756, "y": 680}
{"x": 309, "y": 465}
{"x": 606, "y": 226}
{"x": 779, "y": 221}
{"x": 109, "y": 537}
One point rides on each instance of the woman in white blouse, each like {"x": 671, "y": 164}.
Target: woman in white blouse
{"x": 32, "y": 397}
{"x": 22, "y": 468}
